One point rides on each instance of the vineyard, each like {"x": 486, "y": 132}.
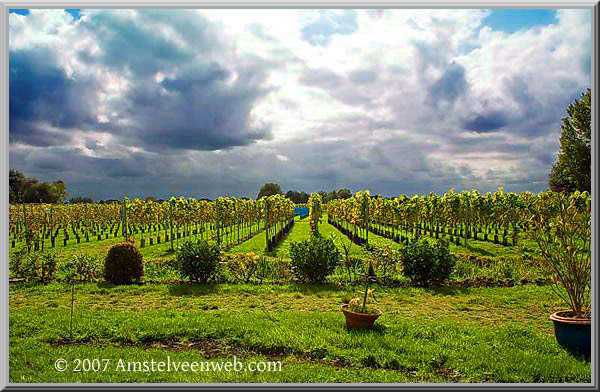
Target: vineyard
{"x": 227, "y": 221}
{"x": 495, "y": 217}
{"x": 276, "y": 274}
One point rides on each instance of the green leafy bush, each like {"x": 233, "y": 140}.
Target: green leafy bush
{"x": 198, "y": 260}
{"x": 35, "y": 266}
{"x": 314, "y": 259}
{"x": 424, "y": 263}
{"x": 123, "y": 264}
{"x": 82, "y": 268}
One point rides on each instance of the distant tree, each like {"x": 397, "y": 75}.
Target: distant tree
{"x": 303, "y": 198}
{"x": 150, "y": 197}
{"x": 344, "y": 193}
{"x": 82, "y": 199}
{"x": 572, "y": 171}
{"x": 329, "y": 196}
{"x": 17, "y": 184}
{"x": 42, "y": 192}
{"x": 297, "y": 197}
{"x": 269, "y": 189}
{"x": 59, "y": 190}
{"x": 30, "y": 190}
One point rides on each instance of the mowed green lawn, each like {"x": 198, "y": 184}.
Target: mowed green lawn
{"x": 440, "y": 334}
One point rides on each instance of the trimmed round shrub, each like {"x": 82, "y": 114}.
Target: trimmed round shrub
{"x": 198, "y": 260}
{"x": 424, "y": 263}
{"x": 123, "y": 264}
{"x": 313, "y": 259}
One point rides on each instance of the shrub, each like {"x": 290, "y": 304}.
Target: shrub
{"x": 123, "y": 264}
{"x": 82, "y": 268}
{"x": 39, "y": 267}
{"x": 275, "y": 269}
{"x": 15, "y": 263}
{"x": 198, "y": 260}
{"x": 242, "y": 266}
{"x": 314, "y": 259}
{"x": 425, "y": 263}
{"x": 386, "y": 260}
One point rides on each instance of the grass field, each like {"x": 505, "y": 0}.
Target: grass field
{"x": 426, "y": 335}
{"x": 437, "y": 334}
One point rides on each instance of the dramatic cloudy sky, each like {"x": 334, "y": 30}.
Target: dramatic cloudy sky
{"x": 217, "y": 102}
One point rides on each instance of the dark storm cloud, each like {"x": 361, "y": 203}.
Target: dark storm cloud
{"x": 198, "y": 109}
{"x": 486, "y": 122}
{"x": 139, "y": 44}
{"x": 40, "y": 92}
{"x": 451, "y": 85}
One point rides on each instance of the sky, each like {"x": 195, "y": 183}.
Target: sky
{"x": 202, "y": 103}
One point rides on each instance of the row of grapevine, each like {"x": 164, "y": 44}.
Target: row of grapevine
{"x": 462, "y": 216}
{"x": 279, "y": 218}
{"x": 228, "y": 221}
{"x": 315, "y": 209}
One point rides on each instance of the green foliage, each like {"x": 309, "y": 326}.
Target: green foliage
{"x": 572, "y": 172}
{"x": 198, "y": 261}
{"x": 314, "y": 259}
{"x": 30, "y": 190}
{"x": 38, "y": 267}
{"x": 564, "y": 242}
{"x": 123, "y": 264}
{"x": 269, "y": 189}
{"x": 82, "y": 268}
{"x": 424, "y": 263}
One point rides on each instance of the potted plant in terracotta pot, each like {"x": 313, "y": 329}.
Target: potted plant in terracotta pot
{"x": 358, "y": 314}
{"x": 560, "y": 225}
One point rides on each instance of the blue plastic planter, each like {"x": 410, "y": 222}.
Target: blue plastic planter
{"x": 574, "y": 334}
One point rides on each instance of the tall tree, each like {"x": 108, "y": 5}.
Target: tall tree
{"x": 269, "y": 189}
{"x": 344, "y": 193}
{"x": 572, "y": 171}
{"x": 30, "y": 190}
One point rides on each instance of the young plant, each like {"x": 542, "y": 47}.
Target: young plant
{"x": 356, "y": 305}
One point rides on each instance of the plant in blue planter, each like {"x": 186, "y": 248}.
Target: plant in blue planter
{"x": 560, "y": 225}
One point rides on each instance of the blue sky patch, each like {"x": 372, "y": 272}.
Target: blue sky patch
{"x": 74, "y": 12}
{"x": 514, "y": 20}
{"x": 330, "y": 22}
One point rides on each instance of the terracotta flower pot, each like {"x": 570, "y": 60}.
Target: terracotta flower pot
{"x": 359, "y": 320}
{"x": 574, "y": 334}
